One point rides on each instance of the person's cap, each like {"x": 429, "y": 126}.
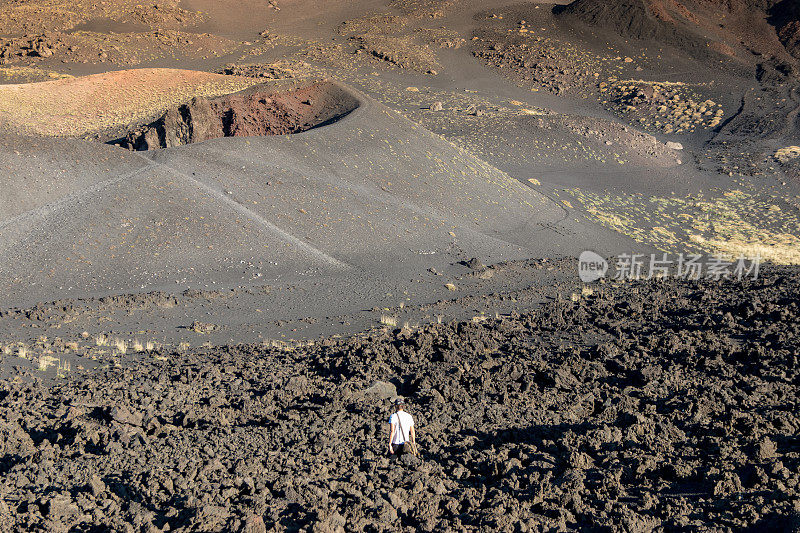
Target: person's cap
{"x": 399, "y": 401}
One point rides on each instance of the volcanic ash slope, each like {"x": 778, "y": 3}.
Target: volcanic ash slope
{"x": 370, "y": 191}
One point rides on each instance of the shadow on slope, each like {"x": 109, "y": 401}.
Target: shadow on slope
{"x": 785, "y": 16}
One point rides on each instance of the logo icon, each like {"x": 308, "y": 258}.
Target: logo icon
{"x": 591, "y": 266}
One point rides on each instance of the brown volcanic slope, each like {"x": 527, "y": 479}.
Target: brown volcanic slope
{"x": 639, "y": 19}
{"x": 630, "y": 18}
{"x": 702, "y": 28}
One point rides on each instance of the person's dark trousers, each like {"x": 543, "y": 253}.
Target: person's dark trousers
{"x": 398, "y": 449}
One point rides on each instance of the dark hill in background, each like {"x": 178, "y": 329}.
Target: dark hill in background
{"x": 652, "y": 20}
{"x": 702, "y": 28}
{"x": 629, "y": 18}
{"x": 786, "y": 18}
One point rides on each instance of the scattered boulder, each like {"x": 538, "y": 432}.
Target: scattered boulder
{"x": 475, "y": 264}
{"x": 729, "y": 484}
{"x": 381, "y": 390}
{"x": 209, "y": 518}
{"x": 254, "y": 524}
{"x": 333, "y": 523}
{"x": 97, "y": 486}
{"x": 203, "y": 327}
{"x": 123, "y": 415}
{"x": 73, "y": 412}
{"x": 672, "y": 145}
{"x": 14, "y": 440}
{"x": 766, "y": 450}
{"x": 61, "y": 508}
{"x": 297, "y": 385}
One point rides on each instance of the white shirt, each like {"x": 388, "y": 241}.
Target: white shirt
{"x": 406, "y": 421}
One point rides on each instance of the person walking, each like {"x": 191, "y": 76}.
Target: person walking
{"x": 402, "y": 436}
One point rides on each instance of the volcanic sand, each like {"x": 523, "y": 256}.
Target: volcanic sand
{"x": 88, "y": 104}
{"x": 372, "y": 190}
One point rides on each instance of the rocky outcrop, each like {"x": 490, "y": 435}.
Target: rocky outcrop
{"x": 248, "y": 113}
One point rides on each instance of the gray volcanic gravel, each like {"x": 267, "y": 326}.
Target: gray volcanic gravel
{"x": 644, "y": 406}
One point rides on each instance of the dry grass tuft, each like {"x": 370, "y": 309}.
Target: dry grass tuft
{"x": 390, "y": 321}
{"x": 63, "y": 368}
{"x": 121, "y": 346}
{"x": 733, "y": 224}
{"x": 46, "y": 361}
{"x": 780, "y": 249}
{"x": 784, "y": 155}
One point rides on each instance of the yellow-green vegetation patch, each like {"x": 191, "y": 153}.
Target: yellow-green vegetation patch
{"x": 734, "y": 223}
{"x": 784, "y": 155}
{"x": 37, "y": 16}
{"x": 403, "y": 52}
{"x": 29, "y": 75}
{"x": 670, "y": 107}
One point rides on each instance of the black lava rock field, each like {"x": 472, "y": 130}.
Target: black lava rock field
{"x": 640, "y": 406}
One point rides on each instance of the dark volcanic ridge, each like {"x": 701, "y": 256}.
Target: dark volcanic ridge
{"x": 252, "y": 112}
{"x": 666, "y": 22}
{"x": 701, "y": 28}
{"x": 786, "y": 18}
{"x": 629, "y": 18}
{"x": 649, "y": 406}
